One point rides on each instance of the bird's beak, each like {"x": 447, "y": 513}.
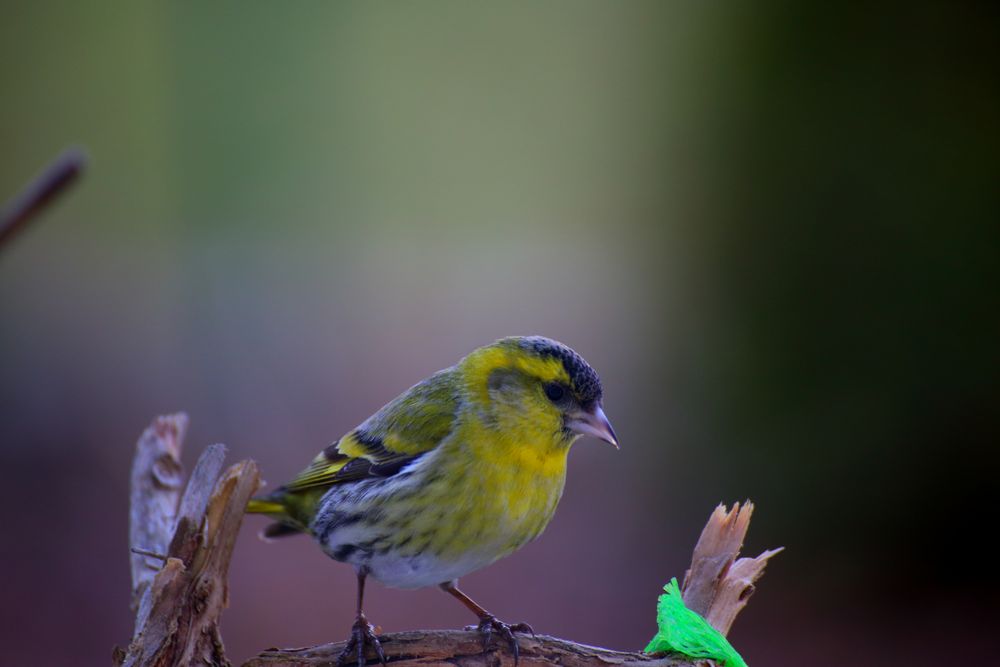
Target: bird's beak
{"x": 593, "y": 423}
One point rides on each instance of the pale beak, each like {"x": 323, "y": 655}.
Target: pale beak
{"x": 593, "y": 423}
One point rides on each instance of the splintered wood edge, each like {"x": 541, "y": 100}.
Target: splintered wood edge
{"x": 451, "y": 648}
{"x": 194, "y": 502}
{"x": 209, "y": 589}
{"x": 178, "y": 621}
{"x": 155, "y": 485}
{"x": 717, "y": 585}
{"x": 735, "y": 590}
{"x": 717, "y": 548}
{"x": 224, "y": 516}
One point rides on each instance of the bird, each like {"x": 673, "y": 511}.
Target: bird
{"x": 460, "y": 470}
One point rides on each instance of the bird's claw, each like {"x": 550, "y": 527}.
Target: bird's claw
{"x": 362, "y": 634}
{"x": 490, "y": 624}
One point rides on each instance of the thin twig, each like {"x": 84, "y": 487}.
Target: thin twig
{"x": 146, "y": 552}
{"x": 53, "y": 181}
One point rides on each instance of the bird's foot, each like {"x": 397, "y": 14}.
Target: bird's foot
{"x": 488, "y": 625}
{"x": 362, "y": 636}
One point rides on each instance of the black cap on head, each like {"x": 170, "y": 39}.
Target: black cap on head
{"x": 586, "y": 382}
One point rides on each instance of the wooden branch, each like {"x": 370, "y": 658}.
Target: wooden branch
{"x": 718, "y": 586}
{"x": 461, "y": 648}
{"x": 736, "y": 588}
{"x": 194, "y": 504}
{"x": 57, "y": 177}
{"x": 178, "y": 616}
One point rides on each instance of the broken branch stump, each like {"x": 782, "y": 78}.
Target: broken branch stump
{"x": 177, "y": 622}
{"x": 719, "y": 584}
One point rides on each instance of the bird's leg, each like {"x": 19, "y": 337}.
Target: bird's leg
{"x": 362, "y": 632}
{"x": 488, "y": 623}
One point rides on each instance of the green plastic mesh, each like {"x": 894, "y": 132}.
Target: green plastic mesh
{"x": 684, "y": 631}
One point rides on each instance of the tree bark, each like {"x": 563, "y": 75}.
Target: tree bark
{"x": 177, "y": 622}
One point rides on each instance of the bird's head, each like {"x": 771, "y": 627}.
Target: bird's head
{"x": 535, "y": 387}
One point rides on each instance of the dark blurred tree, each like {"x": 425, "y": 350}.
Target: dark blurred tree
{"x": 856, "y": 271}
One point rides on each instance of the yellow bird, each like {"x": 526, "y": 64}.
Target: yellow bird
{"x": 460, "y": 470}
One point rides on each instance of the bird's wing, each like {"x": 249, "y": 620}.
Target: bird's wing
{"x": 401, "y": 432}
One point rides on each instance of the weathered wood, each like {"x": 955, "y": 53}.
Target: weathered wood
{"x": 187, "y": 531}
{"x": 178, "y": 619}
{"x": 462, "y": 648}
{"x": 156, "y": 482}
{"x": 717, "y": 585}
{"x": 735, "y": 590}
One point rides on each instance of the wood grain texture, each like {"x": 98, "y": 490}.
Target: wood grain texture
{"x": 155, "y": 490}
{"x": 178, "y": 617}
{"x": 451, "y": 648}
{"x": 718, "y": 584}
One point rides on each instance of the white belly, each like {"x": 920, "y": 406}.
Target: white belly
{"x": 422, "y": 570}
{"x": 361, "y": 524}
{"x": 360, "y": 544}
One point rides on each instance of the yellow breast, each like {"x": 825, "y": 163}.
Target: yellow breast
{"x": 500, "y": 494}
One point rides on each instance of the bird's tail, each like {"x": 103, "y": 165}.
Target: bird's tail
{"x": 264, "y": 506}
{"x": 275, "y": 507}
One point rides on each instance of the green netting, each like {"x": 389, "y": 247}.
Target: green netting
{"x": 684, "y": 631}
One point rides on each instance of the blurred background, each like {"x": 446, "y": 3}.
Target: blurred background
{"x": 771, "y": 227}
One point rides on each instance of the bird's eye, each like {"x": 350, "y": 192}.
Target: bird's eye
{"x": 554, "y": 391}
